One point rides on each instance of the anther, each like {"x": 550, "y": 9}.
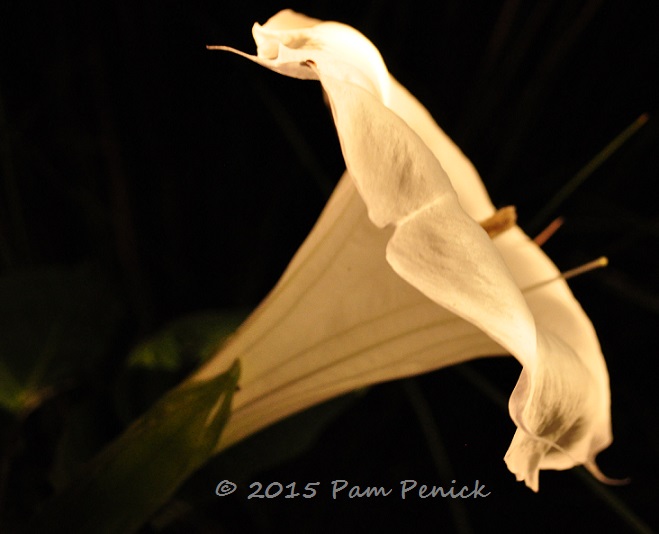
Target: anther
{"x": 501, "y": 221}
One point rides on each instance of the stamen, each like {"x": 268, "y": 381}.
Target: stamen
{"x": 587, "y": 170}
{"x": 602, "y": 261}
{"x": 548, "y": 232}
{"x": 501, "y": 221}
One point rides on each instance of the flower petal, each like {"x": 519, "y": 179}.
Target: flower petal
{"x": 436, "y": 246}
{"x": 565, "y": 401}
{"x": 288, "y": 40}
{"x": 464, "y": 178}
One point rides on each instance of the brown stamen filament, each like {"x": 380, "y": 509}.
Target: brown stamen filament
{"x": 548, "y": 232}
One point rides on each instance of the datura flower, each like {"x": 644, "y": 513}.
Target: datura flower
{"x": 409, "y": 269}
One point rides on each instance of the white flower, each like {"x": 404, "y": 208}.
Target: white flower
{"x": 399, "y": 278}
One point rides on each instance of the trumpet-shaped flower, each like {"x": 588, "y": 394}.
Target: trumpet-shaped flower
{"x": 399, "y": 275}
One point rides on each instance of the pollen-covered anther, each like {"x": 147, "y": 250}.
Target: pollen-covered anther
{"x": 502, "y": 220}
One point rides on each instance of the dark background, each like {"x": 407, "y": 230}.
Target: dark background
{"x": 184, "y": 180}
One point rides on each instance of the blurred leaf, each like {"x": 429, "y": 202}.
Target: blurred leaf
{"x": 159, "y": 363}
{"x": 10, "y": 389}
{"x": 83, "y": 434}
{"x": 129, "y": 480}
{"x": 271, "y": 448}
{"x": 187, "y": 340}
{"x": 56, "y": 323}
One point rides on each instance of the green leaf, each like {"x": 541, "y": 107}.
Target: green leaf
{"x": 56, "y": 323}
{"x": 129, "y": 480}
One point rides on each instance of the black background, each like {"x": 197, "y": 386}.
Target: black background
{"x": 191, "y": 177}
